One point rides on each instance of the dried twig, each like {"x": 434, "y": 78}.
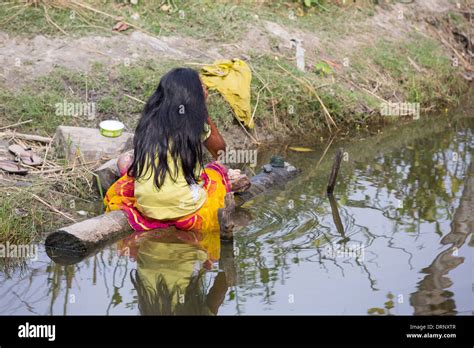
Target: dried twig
{"x": 39, "y": 199}
{"x": 327, "y": 114}
{"x": 46, "y": 153}
{"x": 248, "y": 134}
{"x": 256, "y": 104}
{"x": 16, "y": 124}
{"x": 363, "y": 89}
{"x": 63, "y": 169}
{"x": 413, "y": 63}
{"x": 48, "y": 18}
{"x": 464, "y": 62}
{"x": 324, "y": 153}
{"x": 311, "y": 88}
{"x": 14, "y": 15}
{"x": 90, "y": 8}
{"x": 136, "y": 99}
{"x": 269, "y": 90}
{"x": 30, "y": 137}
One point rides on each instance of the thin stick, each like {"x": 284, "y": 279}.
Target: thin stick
{"x": 51, "y": 207}
{"x": 363, "y": 89}
{"x": 327, "y": 114}
{"x": 466, "y": 64}
{"x": 46, "y": 15}
{"x": 413, "y": 63}
{"x": 13, "y": 16}
{"x": 198, "y": 64}
{"x": 335, "y": 169}
{"x": 255, "y": 108}
{"x": 110, "y": 16}
{"x": 313, "y": 90}
{"x": 246, "y": 132}
{"x": 16, "y": 124}
{"x": 46, "y": 153}
{"x": 269, "y": 90}
{"x": 68, "y": 194}
{"x": 324, "y": 153}
{"x": 26, "y": 137}
{"x": 133, "y": 98}
{"x": 55, "y": 170}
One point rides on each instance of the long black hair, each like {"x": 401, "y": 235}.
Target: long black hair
{"x": 158, "y": 298}
{"x": 173, "y": 120}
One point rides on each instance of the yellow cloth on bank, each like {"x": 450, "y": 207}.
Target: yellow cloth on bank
{"x": 232, "y": 79}
{"x": 175, "y": 198}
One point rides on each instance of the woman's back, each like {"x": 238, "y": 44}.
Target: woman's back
{"x": 175, "y": 198}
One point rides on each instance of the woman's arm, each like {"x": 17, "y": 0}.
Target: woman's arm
{"x": 215, "y": 143}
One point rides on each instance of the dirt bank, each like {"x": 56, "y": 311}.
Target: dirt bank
{"x": 357, "y": 59}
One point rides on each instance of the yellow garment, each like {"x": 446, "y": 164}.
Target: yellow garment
{"x": 173, "y": 199}
{"x": 232, "y": 79}
{"x": 177, "y": 263}
{"x": 121, "y": 196}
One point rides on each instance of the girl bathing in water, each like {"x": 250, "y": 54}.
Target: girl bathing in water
{"x": 166, "y": 183}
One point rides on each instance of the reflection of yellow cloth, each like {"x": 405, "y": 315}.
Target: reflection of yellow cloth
{"x": 176, "y": 262}
{"x": 232, "y": 79}
{"x": 210, "y": 241}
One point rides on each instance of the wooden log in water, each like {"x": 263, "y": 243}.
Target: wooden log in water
{"x": 72, "y": 243}
{"x": 76, "y": 241}
{"x": 334, "y": 172}
{"x": 269, "y": 178}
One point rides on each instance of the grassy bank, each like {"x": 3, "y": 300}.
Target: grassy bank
{"x": 204, "y": 19}
{"x": 286, "y": 101}
{"x": 411, "y": 67}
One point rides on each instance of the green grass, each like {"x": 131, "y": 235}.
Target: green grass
{"x": 14, "y": 227}
{"x": 437, "y": 84}
{"x": 204, "y": 19}
{"x": 196, "y": 19}
{"x": 296, "y": 109}
{"x": 25, "y": 219}
{"x": 105, "y": 87}
{"x": 109, "y": 88}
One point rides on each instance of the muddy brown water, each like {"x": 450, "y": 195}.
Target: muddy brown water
{"x": 397, "y": 240}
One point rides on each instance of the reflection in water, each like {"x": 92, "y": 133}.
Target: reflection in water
{"x": 404, "y": 199}
{"x": 170, "y": 267}
{"x": 337, "y": 219}
{"x": 432, "y": 298}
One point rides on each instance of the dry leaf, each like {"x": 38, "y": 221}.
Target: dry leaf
{"x": 165, "y": 8}
{"x": 120, "y": 26}
{"x": 300, "y": 149}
